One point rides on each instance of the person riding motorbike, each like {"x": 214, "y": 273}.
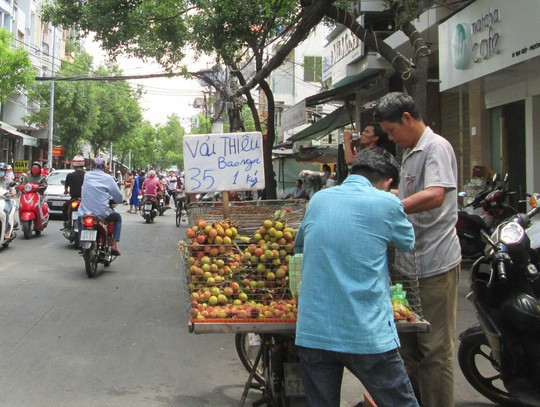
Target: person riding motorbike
{"x": 97, "y": 189}
{"x": 35, "y": 177}
{"x": 5, "y": 183}
{"x": 152, "y": 185}
{"x": 74, "y": 183}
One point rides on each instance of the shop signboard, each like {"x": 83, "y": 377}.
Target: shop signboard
{"x": 20, "y": 166}
{"x": 340, "y": 52}
{"x": 58, "y": 151}
{"x": 223, "y": 162}
{"x": 294, "y": 116}
{"x": 487, "y": 36}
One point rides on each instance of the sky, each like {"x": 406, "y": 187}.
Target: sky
{"x": 162, "y": 96}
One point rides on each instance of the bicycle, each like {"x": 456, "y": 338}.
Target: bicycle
{"x": 180, "y": 203}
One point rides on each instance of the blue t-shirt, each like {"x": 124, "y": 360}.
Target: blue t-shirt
{"x": 344, "y": 303}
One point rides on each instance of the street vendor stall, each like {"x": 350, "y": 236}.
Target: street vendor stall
{"x": 239, "y": 268}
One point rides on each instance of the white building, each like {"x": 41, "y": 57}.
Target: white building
{"x": 18, "y": 140}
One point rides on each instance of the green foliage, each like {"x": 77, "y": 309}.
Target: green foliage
{"x": 16, "y": 71}
{"x": 201, "y": 124}
{"x": 169, "y": 143}
{"x": 86, "y": 111}
{"x": 142, "y": 28}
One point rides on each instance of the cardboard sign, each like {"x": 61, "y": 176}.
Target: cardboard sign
{"x": 20, "y": 166}
{"x": 223, "y": 162}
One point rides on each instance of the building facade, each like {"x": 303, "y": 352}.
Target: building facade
{"x": 46, "y": 48}
{"x": 489, "y": 61}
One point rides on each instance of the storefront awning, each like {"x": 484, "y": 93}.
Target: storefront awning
{"x": 346, "y": 87}
{"x": 26, "y": 139}
{"x": 338, "y": 118}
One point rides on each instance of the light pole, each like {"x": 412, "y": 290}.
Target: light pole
{"x": 51, "y": 103}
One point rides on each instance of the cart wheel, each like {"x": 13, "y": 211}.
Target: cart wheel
{"x": 247, "y": 354}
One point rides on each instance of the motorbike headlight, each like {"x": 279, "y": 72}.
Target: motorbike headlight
{"x": 28, "y": 187}
{"x": 511, "y": 233}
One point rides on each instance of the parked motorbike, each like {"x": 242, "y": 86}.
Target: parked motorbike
{"x": 95, "y": 238}
{"x": 33, "y": 213}
{"x": 505, "y": 291}
{"x": 469, "y": 226}
{"x": 149, "y": 208}
{"x": 71, "y": 226}
{"x": 7, "y": 236}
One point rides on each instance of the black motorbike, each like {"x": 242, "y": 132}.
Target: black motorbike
{"x": 500, "y": 356}
{"x": 149, "y": 207}
{"x": 71, "y": 226}
{"x": 469, "y": 226}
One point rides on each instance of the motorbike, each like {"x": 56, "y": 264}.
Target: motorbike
{"x": 33, "y": 213}
{"x": 149, "y": 207}
{"x": 95, "y": 239}
{"x": 469, "y": 226}
{"x": 505, "y": 291}
{"x": 71, "y": 226}
{"x": 7, "y": 236}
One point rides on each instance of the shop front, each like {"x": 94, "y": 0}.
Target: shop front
{"x": 15, "y": 145}
{"x": 489, "y": 59}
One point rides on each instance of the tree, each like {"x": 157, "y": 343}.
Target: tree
{"x": 16, "y": 68}
{"x": 157, "y": 29}
{"x": 75, "y": 105}
{"x": 97, "y": 113}
{"x": 169, "y": 143}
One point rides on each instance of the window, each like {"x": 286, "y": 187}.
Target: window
{"x": 313, "y": 69}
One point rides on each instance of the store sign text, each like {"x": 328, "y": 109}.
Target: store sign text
{"x": 344, "y": 46}
{"x": 487, "y": 47}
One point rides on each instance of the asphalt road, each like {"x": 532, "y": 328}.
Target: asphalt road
{"x": 121, "y": 339}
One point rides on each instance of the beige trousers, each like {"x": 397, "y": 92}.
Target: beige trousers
{"x": 429, "y": 357}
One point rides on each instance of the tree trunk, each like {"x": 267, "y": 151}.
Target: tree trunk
{"x": 269, "y": 138}
{"x": 250, "y": 101}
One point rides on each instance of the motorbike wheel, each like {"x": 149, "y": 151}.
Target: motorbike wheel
{"x": 247, "y": 354}
{"x": 161, "y": 211}
{"x": 178, "y": 216}
{"x": 27, "y": 229}
{"x": 147, "y": 218}
{"x": 91, "y": 260}
{"x": 38, "y": 232}
{"x": 469, "y": 353}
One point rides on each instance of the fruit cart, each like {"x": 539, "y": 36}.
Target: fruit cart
{"x": 238, "y": 281}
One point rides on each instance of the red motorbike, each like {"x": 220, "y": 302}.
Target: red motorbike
{"x": 95, "y": 239}
{"x": 33, "y": 214}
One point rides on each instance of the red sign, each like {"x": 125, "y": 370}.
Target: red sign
{"x": 58, "y": 151}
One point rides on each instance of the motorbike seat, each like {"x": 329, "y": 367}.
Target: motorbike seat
{"x": 522, "y": 311}
{"x": 475, "y": 219}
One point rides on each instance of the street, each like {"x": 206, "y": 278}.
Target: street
{"x": 121, "y": 339}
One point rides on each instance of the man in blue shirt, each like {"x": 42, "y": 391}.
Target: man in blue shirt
{"x": 97, "y": 190}
{"x": 345, "y": 316}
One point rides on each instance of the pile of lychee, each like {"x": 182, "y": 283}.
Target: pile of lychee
{"x": 232, "y": 276}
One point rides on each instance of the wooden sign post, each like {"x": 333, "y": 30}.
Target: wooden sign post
{"x": 224, "y": 162}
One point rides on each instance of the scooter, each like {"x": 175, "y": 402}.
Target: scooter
{"x": 7, "y": 236}
{"x": 469, "y": 226}
{"x": 149, "y": 208}
{"x": 505, "y": 291}
{"x": 34, "y": 215}
{"x": 95, "y": 239}
{"x": 71, "y": 226}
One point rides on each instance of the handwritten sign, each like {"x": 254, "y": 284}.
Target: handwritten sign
{"x": 223, "y": 162}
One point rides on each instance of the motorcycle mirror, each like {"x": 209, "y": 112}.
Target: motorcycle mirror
{"x": 63, "y": 182}
{"x": 462, "y": 194}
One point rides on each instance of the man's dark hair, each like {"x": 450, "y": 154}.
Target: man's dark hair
{"x": 300, "y": 181}
{"x": 391, "y": 107}
{"x": 376, "y": 164}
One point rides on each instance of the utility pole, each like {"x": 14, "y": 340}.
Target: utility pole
{"x": 111, "y": 163}
{"x": 129, "y": 160}
{"x": 51, "y": 102}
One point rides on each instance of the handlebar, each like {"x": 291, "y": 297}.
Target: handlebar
{"x": 501, "y": 271}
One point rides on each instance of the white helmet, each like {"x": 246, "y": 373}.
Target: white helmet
{"x": 78, "y": 161}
